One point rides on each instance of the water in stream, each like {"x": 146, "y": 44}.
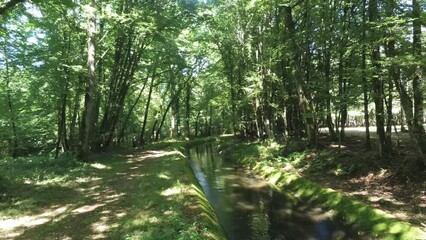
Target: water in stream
{"x": 248, "y": 208}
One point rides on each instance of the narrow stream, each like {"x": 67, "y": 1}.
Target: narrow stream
{"x": 248, "y": 208}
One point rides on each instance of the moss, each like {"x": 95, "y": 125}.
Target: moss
{"x": 361, "y": 217}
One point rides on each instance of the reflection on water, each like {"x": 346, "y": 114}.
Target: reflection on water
{"x": 248, "y": 208}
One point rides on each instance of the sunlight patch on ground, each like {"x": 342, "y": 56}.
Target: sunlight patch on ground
{"x": 156, "y": 154}
{"x": 13, "y": 227}
{"x": 53, "y": 180}
{"x": 163, "y": 175}
{"x": 120, "y": 214}
{"x": 88, "y": 189}
{"x": 87, "y": 179}
{"x": 113, "y": 197}
{"x": 171, "y": 191}
{"x": 99, "y": 166}
{"x": 135, "y": 176}
{"x": 102, "y": 225}
{"x": 87, "y": 208}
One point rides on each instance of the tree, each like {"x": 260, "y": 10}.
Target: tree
{"x": 8, "y": 5}
{"x": 89, "y": 103}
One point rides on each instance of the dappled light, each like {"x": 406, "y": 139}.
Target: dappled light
{"x": 154, "y": 154}
{"x": 11, "y": 228}
{"x": 108, "y": 110}
{"x": 87, "y": 208}
{"x": 99, "y": 166}
{"x": 117, "y": 197}
{"x": 171, "y": 191}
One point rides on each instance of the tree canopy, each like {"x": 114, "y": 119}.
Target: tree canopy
{"x": 80, "y": 76}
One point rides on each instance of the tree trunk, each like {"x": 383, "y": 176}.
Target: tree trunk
{"x": 154, "y": 127}
{"x": 148, "y": 102}
{"x": 62, "y": 127}
{"x": 343, "y": 106}
{"x": 14, "y": 139}
{"x": 89, "y": 102}
{"x": 156, "y": 138}
{"x": 129, "y": 113}
{"x": 73, "y": 122}
{"x": 365, "y": 87}
{"x": 187, "y": 110}
{"x": 197, "y": 124}
{"x": 393, "y": 74}
{"x": 62, "y": 142}
{"x": 329, "y": 119}
{"x": 298, "y": 81}
{"x": 377, "y": 82}
{"x": 343, "y": 102}
{"x": 418, "y": 85}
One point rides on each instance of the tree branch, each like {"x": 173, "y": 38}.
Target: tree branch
{"x": 9, "y": 4}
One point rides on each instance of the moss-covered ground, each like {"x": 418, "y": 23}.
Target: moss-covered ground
{"x": 148, "y": 194}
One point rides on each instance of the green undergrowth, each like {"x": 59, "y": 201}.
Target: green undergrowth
{"x": 151, "y": 194}
{"x": 268, "y": 160}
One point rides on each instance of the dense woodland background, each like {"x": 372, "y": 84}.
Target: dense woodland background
{"x": 80, "y": 76}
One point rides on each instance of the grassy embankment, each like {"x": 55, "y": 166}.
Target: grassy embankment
{"x": 267, "y": 160}
{"x": 149, "y": 194}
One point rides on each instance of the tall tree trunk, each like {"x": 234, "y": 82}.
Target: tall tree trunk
{"x": 174, "y": 98}
{"x": 89, "y": 102}
{"x": 148, "y": 102}
{"x": 197, "y": 124}
{"x": 377, "y": 82}
{"x": 73, "y": 121}
{"x": 187, "y": 111}
{"x": 154, "y": 127}
{"x": 129, "y": 113}
{"x": 62, "y": 142}
{"x": 414, "y": 121}
{"x": 418, "y": 85}
{"x": 228, "y": 58}
{"x": 329, "y": 119}
{"x": 343, "y": 106}
{"x": 62, "y": 127}
{"x": 393, "y": 74}
{"x": 365, "y": 87}
{"x": 303, "y": 102}
{"x": 12, "y": 119}
{"x": 343, "y": 103}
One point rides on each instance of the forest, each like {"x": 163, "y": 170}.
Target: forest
{"x": 82, "y": 77}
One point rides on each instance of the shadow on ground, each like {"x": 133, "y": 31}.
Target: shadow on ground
{"x": 143, "y": 195}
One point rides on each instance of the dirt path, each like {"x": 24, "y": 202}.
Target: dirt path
{"x": 119, "y": 197}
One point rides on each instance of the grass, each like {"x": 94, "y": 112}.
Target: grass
{"x": 267, "y": 160}
{"x": 146, "y": 195}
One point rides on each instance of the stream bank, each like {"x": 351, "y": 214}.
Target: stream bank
{"x": 249, "y": 208}
{"x": 280, "y": 172}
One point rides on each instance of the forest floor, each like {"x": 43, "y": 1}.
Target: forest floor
{"x": 396, "y": 185}
{"x": 145, "y": 195}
